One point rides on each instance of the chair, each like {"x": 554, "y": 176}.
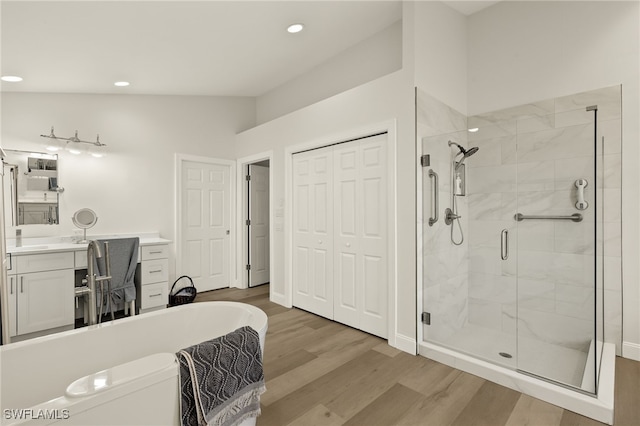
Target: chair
{"x": 119, "y": 262}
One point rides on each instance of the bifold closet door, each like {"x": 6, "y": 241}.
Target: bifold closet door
{"x": 313, "y": 231}
{"x": 340, "y": 233}
{"x": 360, "y": 235}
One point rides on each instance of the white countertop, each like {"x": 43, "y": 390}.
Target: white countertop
{"x": 52, "y": 245}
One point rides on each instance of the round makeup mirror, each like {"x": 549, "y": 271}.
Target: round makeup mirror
{"x": 84, "y": 219}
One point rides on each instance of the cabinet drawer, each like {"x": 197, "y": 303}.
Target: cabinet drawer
{"x": 153, "y": 295}
{"x": 80, "y": 259}
{"x": 43, "y": 262}
{"x": 155, "y": 271}
{"x": 155, "y": 252}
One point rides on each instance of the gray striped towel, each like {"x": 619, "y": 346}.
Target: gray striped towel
{"x": 221, "y": 380}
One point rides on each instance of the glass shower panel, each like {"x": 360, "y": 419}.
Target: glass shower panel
{"x": 469, "y": 292}
{"x": 556, "y": 276}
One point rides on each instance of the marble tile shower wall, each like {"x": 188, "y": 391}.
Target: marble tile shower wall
{"x": 445, "y": 267}
{"x": 551, "y": 266}
{"x": 551, "y": 270}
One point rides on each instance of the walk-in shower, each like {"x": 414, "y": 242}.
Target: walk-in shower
{"x": 512, "y": 278}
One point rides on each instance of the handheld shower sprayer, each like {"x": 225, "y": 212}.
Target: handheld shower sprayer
{"x": 457, "y": 188}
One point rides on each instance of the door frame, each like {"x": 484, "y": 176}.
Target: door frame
{"x": 390, "y": 127}
{"x": 241, "y": 206}
{"x": 179, "y": 198}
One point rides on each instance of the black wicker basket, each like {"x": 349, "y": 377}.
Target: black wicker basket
{"x": 183, "y": 295}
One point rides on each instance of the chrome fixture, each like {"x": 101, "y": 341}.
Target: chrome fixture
{"x": 576, "y": 217}
{"x": 88, "y": 290}
{"x": 435, "y": 196}
{"x": 465, "y": 153}
{"x": 458, "y": 180}
{"x": 73, "y": 144}
{"x": 450, "y": 216}
{"x": 504, "y": 244}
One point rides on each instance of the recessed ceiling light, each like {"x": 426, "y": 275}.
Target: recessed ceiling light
{"x": 121, "y": 83}
{"x": 11, "y": 78}
{"x": 473, "y": 129}
{"x": 295, "y": 28}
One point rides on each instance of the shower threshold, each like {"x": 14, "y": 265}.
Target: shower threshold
{"x": 598, "y": 407}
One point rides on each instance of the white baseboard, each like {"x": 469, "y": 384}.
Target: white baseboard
{"x": 405, "y": 344}
{"x": 631, "y": 350}
{"x": 279, "y": 299}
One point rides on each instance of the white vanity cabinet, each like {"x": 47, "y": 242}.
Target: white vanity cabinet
{"x": 154, "y": 288}
{"x": 41, "y": 293}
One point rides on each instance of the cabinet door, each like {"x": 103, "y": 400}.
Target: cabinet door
{"x": 45, "y": 300}
{"x": 13, "y": 292}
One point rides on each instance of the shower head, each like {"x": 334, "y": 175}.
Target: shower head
{"x": 471, "y": 151}
{"x": 465, "y": 152}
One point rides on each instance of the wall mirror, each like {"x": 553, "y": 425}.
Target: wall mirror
{"x": 31, "y": 188}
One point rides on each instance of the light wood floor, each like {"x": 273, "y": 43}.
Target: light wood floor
{"x": 319, "y": 372}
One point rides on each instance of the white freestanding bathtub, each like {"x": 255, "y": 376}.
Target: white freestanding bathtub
{"x": 116, "y": 373}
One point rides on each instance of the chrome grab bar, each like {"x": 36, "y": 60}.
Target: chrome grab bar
{"x": 434, "y": 196}
{"x": 576, "y": 217}
{"x": 504, "y": 244}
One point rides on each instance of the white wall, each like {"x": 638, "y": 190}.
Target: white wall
{"x": 132, "y": 188}
{"x": 521, "y": 52}
{"x": 381, "y": 100}
{"x": 374, "y": 57}
{"x": 440, "y": 44}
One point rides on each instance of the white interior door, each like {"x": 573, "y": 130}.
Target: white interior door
{"x": 205, "y": 224}
{"x": 313, "y": 231}
{"x": 360, "y": 242}
{"x": 258, "y": 225}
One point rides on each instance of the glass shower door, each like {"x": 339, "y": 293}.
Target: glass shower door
{"x": 469, "y": 291}
{"x": 556, "y": 245}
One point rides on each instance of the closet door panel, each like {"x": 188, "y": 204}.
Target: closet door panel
{"x": 373, "y": 237}
{"x": 313, "y": 232}
{"x": 348, "y": 227}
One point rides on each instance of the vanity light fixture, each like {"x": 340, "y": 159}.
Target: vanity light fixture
{"x": 295, "y": 28}
{"x": 473, "y": 130}
{"x": 11, "y": 78}
{"x": 121, "y": 83}
{"x": 74, "y": 144}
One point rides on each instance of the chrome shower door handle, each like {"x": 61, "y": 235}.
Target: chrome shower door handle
{"x": 504, "y": 244}
{"x": 434, "y": 197}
